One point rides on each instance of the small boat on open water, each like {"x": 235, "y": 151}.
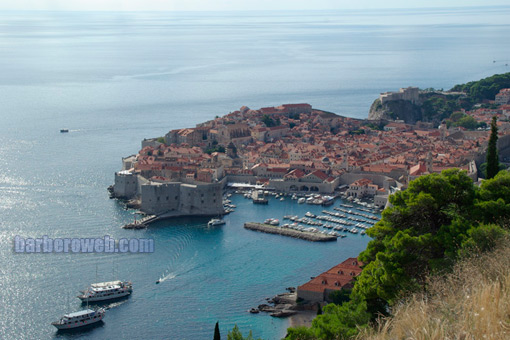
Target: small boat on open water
{"x": 79, "y": 319}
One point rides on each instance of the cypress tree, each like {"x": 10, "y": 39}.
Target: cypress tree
{"x": 492, "y": 151}
{"x": 319, "y": 309}
{"x": 217, "y": 332}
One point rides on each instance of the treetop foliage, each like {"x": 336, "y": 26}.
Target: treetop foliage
{"x": 484, "y": 89}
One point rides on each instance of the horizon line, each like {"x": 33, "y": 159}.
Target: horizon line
{"x": 256, "y": 10}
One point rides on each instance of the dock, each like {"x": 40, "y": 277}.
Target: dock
{"x": 303, "y": 235}
{"x": 142, "y": 223}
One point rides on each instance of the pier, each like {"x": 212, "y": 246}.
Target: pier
{"x": 303, "y": 235}
{"x": 142, "y": 223}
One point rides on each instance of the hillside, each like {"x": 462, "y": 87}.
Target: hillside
{"x": 472, "y": 302}
{"x": 484, "y": 89}
{"x": 434, "y": 106}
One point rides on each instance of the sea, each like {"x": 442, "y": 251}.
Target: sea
{"x": 114, "y": 78}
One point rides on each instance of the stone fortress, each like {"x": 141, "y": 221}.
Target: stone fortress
{"x": 171, "y": 198}
{"x": 411, "y": 94}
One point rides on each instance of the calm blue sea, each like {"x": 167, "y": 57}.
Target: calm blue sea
{"x": 116, "y": 78}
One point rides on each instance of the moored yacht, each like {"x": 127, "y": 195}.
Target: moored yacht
{"x": 79, "y": 319}
{"x": 106, "y": 291}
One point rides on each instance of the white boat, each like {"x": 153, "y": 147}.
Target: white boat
{"x": 79, "y": 319}
{"x": 106, "y": 291}
{"x": 301, "y": 200}
{"x": 274, "y": 222}
{"x": 215, "y": 222}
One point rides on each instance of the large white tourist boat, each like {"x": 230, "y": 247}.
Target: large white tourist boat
{"x": 79, "y": 319}
{"x": 106, "y": 291}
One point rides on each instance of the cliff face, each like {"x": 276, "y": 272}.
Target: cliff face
{"x": 395, "y": 110}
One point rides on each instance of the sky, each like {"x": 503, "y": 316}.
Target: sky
{"x": 222, "y": 5}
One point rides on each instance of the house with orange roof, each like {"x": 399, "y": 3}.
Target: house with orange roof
{"x": 341, "y": 276}
{"x": 503, "y": 97}
{"x": 362, "y": 187}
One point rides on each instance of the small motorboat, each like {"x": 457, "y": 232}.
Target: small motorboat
{"x": 215, "y": 222}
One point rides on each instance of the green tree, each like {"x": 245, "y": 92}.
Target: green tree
{"x": 493, "y": 200}
{"x": 483, "y": 238}
{"x": 217, "y": 335}
{"x": 420, "y": 233}
{"x": 492, "y": 150}
{"x": 319, "y": 309}
{"x": 340, "y": 296}
{"x": 235, "y": 334}
{"x": 456, "y": 116}
{"x": 269, "y": 122}
{"x": 468, "y": 122}
{"x": 337, "y": 322}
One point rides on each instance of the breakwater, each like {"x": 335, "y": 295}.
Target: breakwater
{"x": 303, "y": 235}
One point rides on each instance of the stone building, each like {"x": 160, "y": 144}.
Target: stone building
{"x": 503, "y": 97}
{"x": 341, "y": 276}
{"x": 163, "y": 196}
{"x": 362, "y": 187}
{"x": 410, "y": 94}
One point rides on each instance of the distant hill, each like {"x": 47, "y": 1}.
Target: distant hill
{"x": 434, "y": 106}
{"x": 484, "y": 89}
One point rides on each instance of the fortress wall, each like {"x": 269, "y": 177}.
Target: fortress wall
{"x": 125, "y": 185}
{"x": 158, "y": 198}
{"x": 141, "y": 181}
{"x": 127, "y": 162}
{"x": 201, "y": 199}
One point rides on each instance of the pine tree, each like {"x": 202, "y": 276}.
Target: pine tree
{"x": 492, "y": 151}
{"x": 217, "y": 335}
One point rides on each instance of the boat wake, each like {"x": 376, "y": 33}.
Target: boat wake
{"x": 166, "y": 277}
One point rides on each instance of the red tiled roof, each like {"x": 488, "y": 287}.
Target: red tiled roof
{"x": 336, "y": 278}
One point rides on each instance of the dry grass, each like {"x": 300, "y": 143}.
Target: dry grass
{"x": 471, "y": 303}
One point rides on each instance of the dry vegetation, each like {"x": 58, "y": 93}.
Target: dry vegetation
{"x": 471, "y": 303}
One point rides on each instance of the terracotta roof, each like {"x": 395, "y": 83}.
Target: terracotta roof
{"x": 336, "y": 278}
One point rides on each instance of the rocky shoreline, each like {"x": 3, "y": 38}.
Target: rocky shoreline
{"x": 283, "y": 305}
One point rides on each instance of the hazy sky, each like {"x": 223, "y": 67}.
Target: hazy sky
{"x": 206, "y": 5}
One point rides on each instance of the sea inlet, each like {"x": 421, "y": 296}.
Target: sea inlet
{"x": 219, "y": 273}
